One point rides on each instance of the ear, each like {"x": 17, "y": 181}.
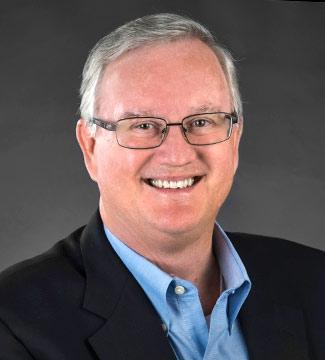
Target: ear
{"x": 236, "y": 135}
{"x": 87, "y": 144}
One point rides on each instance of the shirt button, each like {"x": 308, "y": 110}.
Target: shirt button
{"x": 164, "y": 327}
{"x": 179, "y": 290}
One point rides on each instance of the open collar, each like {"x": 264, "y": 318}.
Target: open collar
{"x": 131, "y": 327}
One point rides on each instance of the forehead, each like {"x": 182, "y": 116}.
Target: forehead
{"x": 164, "y": 77}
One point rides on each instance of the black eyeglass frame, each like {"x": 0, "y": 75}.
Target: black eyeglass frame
{"x": 113, "y": 125}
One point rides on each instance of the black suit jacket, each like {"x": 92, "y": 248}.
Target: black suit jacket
{"x": 77, "y": 301}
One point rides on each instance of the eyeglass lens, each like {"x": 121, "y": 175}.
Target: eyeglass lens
{"x": 147, "y": 132}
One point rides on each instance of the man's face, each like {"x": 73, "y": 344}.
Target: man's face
{"x": 171, "y": 81}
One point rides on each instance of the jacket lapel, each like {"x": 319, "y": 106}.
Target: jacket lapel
{"x": 271, "y": 318}
{"x": 273, "y": 331}
{"x": 131, "y": 327}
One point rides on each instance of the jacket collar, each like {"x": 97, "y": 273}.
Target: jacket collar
{"x": 132, "y": 328}
{"x": 272, "y": 328}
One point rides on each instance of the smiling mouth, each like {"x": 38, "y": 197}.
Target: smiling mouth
{"x": 173, "y": 184}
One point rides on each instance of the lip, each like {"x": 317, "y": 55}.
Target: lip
{"x": 197, "y": 179}
{"x": 173, "y": 177}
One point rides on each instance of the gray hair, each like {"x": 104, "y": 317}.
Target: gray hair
{"x": 145, "y": 31}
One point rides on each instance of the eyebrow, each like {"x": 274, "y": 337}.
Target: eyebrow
{"x": 130, "y": 114}
{"x": 205, "y": 108}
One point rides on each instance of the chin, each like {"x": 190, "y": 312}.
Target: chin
{"x": 177, "y": 224}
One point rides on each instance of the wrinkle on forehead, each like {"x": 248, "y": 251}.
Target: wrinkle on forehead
{"x": 159, "y": 81}
{"x": 204, "y": 108}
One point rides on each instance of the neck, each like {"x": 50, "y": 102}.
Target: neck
{"x": 196, "y": 264}
{"x": 201, "y": 268}
{"x": 187, "y": 256}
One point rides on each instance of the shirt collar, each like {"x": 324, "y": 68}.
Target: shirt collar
{"x": 150, "y": 277}
{"x": 237, "y": 284}
{"x": 155, "y": 282}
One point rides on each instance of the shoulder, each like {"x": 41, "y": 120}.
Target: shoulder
{"x": 65, "y": 252}
{"x": 266, "y": 245}
{"x": 42, "y": 302}
{"x": 57, "y": 271}
{"x": 273, "y": 246}
{"x": 281, "y": 261}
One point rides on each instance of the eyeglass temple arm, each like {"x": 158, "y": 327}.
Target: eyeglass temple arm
{"x": 234, "y": 118}
{"x": 111, "y": 126}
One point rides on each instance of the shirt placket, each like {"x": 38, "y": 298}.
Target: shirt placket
{"x": 188, "y": 327}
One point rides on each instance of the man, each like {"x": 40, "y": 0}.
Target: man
{"x": 152, "y": 276}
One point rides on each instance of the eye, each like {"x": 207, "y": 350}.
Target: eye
{"x": 145, "y": 126}
{"x": 200, "y": 122}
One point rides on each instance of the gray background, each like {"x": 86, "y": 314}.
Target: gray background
{"x": 45, "y": 190}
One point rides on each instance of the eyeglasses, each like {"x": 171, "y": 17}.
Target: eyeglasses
{"x": 143, "y": 132}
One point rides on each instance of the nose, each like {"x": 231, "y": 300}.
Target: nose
{"x": 175, "y": 150}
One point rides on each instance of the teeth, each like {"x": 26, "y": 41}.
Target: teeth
{"x": 166, "y": 184}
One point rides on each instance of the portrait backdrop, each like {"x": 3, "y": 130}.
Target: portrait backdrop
{"x": 279, "y": 48}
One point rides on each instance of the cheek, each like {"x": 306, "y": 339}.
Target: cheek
{"x": 223, "y": 159}
{"x": 223, "y": 174}
{"x": 112, "y": 180}
{"x": 117, "y": 166}
{"x": 231, "y": 157}
{"x": 222, "y": 170}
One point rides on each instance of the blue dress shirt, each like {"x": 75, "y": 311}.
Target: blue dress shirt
{"x": 191, "y": 334}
